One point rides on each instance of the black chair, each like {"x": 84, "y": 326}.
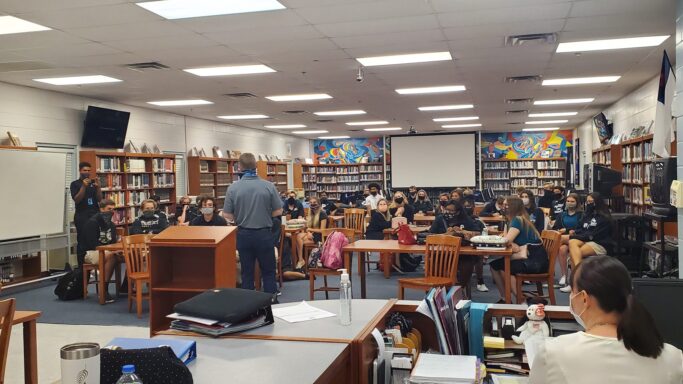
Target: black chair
{"x": 630, "y": 233}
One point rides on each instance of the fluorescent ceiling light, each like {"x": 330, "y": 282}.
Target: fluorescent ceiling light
{"x": 540, "y": 129}
{"x": 445, "y": 107}
{"x": 310, "y": 96}
{"x": 553, "y": 114}
{"x": 76, "y": 80}
{"x": 563, "y": 101}
{"x": 598, "y": 45}
{"x": 230, "y": 70}
{"x": 11, "y": 24}
{"x": 465, "y": 118}
{"x": 242, "y": 117}
{"x": 378, "y": 122}
{"x": 405, "y": 59}
{"x": 309, "y": 132}
{"x": 174, "y": 103}
{"x": 461, "y": 126}
{"x": 340, "y": 113}
{"x": 382, "y": 129}
{"x": 547, "y": 122}
{"x": 181, "y": 9}
{"x": 333, "y": 137}
{"x": 423, "y": 90}
{"x": 581, "y": 80}
{"x": 285, "y": 126}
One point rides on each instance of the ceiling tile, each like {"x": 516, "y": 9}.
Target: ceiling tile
{"x": 376, "y": 10}
{"x": 91, "y": 16}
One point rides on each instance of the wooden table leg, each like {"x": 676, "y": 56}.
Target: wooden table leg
{"x": 101, "y": 278}
{"x": 30, "y": 353}
{"x": 386, "y": 262}
{"x": 361, "y": 256}
{"x": 119, "y": 280}
{"x": 293, "y": 242}
{"x": 508, "y": 289}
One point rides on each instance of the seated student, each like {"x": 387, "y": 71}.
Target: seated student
{"x": 457, "y": 194}
{"x": 412, "y": 195}
{"x": 493, "y": 208}
{"x": 149, "y": 221}
{"x": 536, "y": 214}
{"x": 380, "y": 219}
{"x": 558, "y": 202}
{"x": 519, "y": 190}
{"x": 468, "y": 200}
{"x": 444, "y": 198}
{"x": 293, "y": 207}
{"x": 546, "y": 201}
{"x": 209, "y": 217}
{"x": 101, "y": 230}
{"x": 620, "y": 343}
{"x": 360, "y": 200}
{"x": 399, "y": 207}
{"x": 423, "y": 204}
{"x": 528, "y": 256}
{"x": 566, "y": 223}
{"x": 157, "y": 206}
{"x": 184, "y": 211}
{"x": 315, "y": 221}
{"x": 328, "y": 205}
{"x": 374, "y": 197}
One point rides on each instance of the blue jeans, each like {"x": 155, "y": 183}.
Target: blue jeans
{"x": 253, "y": 245}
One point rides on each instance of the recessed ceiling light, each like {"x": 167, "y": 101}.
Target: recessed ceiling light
{"x": 461, "y": 125}
{"x": 382, "y": 129}
{"x": 445, "y": 107}
{"x": 242, "y": 117}
{"x": 340, "y": 113}
{"x": 563, "y": 101}
{"x": 285, "y": 126}
{"x": 309, "y": 96}
{"x": 181, "y": 9}
{"x": 465, "y": 118}
{"x": 540, "y": 129}
{"x": 333, "y": 137}
{"x": 11, "y": 24}
{"x": 76, "y": 80}
{"x": 424, "y": 90}
{"x": 581, "y": 80}
{"x": 309, "y": 132}
{"x": 174, "y": 103}
{"x": 553, "y": 114}
{"x": 405, "y": 59}
{"x": 378, "y": 122}
{"x": 230, "y": 70}
{"x": 547, "y": 122}
{"x": 598, "y": 45}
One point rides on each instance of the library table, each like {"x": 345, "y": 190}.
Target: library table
{"x": 28, "y": 320}
{"x": 423, "y": 219}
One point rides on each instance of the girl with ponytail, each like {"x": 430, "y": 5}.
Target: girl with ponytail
{"x": 620, "y": 343}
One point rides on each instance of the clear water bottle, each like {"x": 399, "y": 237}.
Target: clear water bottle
{"x": 129, "y": 376}
{"x": 345, "y": 298}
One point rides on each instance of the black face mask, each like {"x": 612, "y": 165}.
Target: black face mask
{"x": 291, "y": 201}
{"x": 373, "y": 193}
{"x": 107, "y": 216}
{"x": 323, "y": 200}
{"x": 449, "y": 216}
{"x": 315, "y": 207}
{"x": 443, "y": 203}
{"x": 421, "y": 197}
{"x": 85, "y": 175}
{"x": 558, "y": 196}
{"x": 399, "y": 200}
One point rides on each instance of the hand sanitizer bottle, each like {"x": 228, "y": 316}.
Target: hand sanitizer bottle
{"x": 345, "y": 298}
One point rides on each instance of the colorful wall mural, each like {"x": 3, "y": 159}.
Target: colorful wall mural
{"x": 526, "y": 145}
{"x": 348, "y": 151}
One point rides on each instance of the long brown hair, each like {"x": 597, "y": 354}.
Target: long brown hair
{"x": 313, "y": 218}
{"x": 515, "y": 208}
{"x": 387, "y": 214}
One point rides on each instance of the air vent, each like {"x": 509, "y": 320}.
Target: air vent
{"x": 149, "y": 66}
{"x": 521, "y": 79}
{"x": 355, "y": 130}
{"x": 519, "y": 101}
{"x": 517, "y": 112}
{"x": 295, "y": 112}
{"x": 17, "y": 66}
{"x": 240, "y": 95}
{"x": 324, "y": 121}
{"x": 514, "y": 123}
{"x": 534, "y": 38}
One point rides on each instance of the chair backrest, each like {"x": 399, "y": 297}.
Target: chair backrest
{"x": 306, "y": 211}
{"x": 120, "y": 231}
{"x": 6, "y": 318}
{"x": 348, "y": 232}
{"x": 354, "y": 218}
{"x": 441, "y": 256}
{"x": 136, "y": 251}
{"x": 552, "y": 240}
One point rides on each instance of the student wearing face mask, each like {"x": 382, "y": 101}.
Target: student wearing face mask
{"x": 493, "y": 208}
{"x": 184, "y": 211}
{"x": 157, "y": 207}
{"x": 208, "y": 217}
{"x": 380, "y": 219}
{"x": 148, "y": 221}
{"x": 315, "y": 221}
{"x": 412, "y": 195}
{"x": 558, "y": 202}
{"x": 536, "y": 215}
{"x": 399, "y": 207}
{"x": 423, "y": 204}
{"x": 101, "y": 230}
{"x": 374, "y": 197}
{"x": 620, "y": 342}
{"x": 546, "y": 201}
{"x": 361, "y": 197}
{"x": 566, "y": 223}
{"x": 327, "y": 205}
{"x": 444, "y": 198}
{"x": 293, "y": 207}
{"x": 86, "y": 193}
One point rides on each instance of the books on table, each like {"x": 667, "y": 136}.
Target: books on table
{"x": 432, "y": 368}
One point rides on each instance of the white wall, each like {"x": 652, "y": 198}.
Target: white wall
{"x": 39, "y": 116}
{"x": 677, "y": 111}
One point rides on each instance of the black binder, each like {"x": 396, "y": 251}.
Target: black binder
{"x": 228, "y": 305}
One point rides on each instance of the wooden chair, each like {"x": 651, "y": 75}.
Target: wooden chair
{"x": 87, "y": 268}
{"x": 441, "y": 265}
{"x": 6, "y": 318}
{"x": 354, "y": 218}
{"x": 552, "y": 240}
{"x": 324, "y": 272}
{"x": 136, "y": 253}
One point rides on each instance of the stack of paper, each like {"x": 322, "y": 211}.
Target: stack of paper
{"x": 214, "y": 328}
{"x": 431, "y": 368}
{"x": 300, "y": 312}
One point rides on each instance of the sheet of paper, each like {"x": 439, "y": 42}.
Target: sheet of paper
{"x": 301, "y": 312}
{"x": 509, "y": 379}
{"x": 178, "y": 316}
{"x": 423, "y": 308}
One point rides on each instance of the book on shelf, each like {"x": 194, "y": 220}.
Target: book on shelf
{"x": 109, "y": 164}
{"x": 135, "y": 165}
{"x": 130, "y": 147}
{"x": 202, "y": 153}
{"x": 217, "y": 152}
{"x": 145, "y": 148}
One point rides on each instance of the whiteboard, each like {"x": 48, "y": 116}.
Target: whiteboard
{"x": 433, "y": 161}
{"x": 32, "y": 193}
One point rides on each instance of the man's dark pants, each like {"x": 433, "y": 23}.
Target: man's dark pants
{"x": 257, "y": 245}
{"x": 80, "y": 218}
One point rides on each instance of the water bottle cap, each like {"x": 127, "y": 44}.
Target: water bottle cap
{"x": 130, "y": 368}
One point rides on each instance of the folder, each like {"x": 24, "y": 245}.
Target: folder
{"x": 185, "y": 350}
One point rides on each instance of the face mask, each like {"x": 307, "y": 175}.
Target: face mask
{"x": 525, "y": 200}
{"x": 570, "y": 205}
{"x": 558, "y": 196}
{"x": 148, "y": 214}
{"x": 324, "y": 200}
{"x": 291, "y": 201}
{"x": 399, "y": 200}
{"x": 85, "y": 175}
{"x": 577, "y": 317}
{"x": 412, "y": 193}
{"x": 373, "y": 193}
{"x": 315, "y": 207}
{"x": 421, "y": 197}
{"x": 107, "y": 216}
{"x": 449, "y": 216}
{"x": 206, "y": 211}
{"x": 443, "y": 203}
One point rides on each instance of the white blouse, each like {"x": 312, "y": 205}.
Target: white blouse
{"x": 589, "y": 359}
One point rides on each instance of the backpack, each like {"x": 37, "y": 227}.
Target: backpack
{"x": 70, "y": 286}
{"x": 331, "y": 255}
{"x": 409, "y": 263}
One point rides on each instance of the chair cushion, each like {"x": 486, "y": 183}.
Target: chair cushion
{"x": 426, "y": 281}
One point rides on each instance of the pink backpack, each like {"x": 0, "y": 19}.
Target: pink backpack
{"x": 331, "y": 256}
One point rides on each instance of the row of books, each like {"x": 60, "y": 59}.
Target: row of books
{"x": 110, "y": 181}
{"x": 136, "y": 197}
{"x": 372, "y": 177}
{"x": 277, "y": 168}
{"x": 310, "y": 186}
{"x": 529, "y": 183}
{"x": 164, "y": 180}
{"x": 109, "y": 164}
{"x": 522, "y": 165}
{"x": 497, "y": 185}
{"x": 163, "y": 165}
{"x": 603, "y": 158}
{"x": 223, "y": 179}
{"x": 637, "y": 194}
{"x": 328, "y": 170}
{"x": 495, "y": 165}
{"x": 637, "y": 152}
{"x": 371, "y": 168}
{"x": 338, "y": 188}
{"x": 137, "y": 181}
{"x": 203, "y": 166}
{"x": 551, "y": 173}
{"x": 309, "y": 178}
{"x": 523, "y": 173}
{"x": 118, "y": 197}
{"x": 346, "y": 170}
{"x": 206, "y": 179}
{"x": 503, "y": 174}
{"x": 135, "y": 165}
{"x": 550, "y": 164}
{"x": 164, "y": 195}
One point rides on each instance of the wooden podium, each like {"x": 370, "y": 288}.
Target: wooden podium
{"x": 186, "y": 261}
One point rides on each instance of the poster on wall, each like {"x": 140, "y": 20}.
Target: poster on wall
{"x": 526, "y": 145}
{"x": 348, "y": 151}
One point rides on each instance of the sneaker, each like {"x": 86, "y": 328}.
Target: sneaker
{"x": 278, "y": 293}
{"x": 108, "y": 299}
{"x": 563, "y": 280}
{"x": 566, "y": 289}
{"x": 482, "y": 288}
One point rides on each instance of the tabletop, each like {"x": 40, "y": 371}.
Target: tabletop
{"x": 24, "y": 316}
{"x": 413, "y": 228}
{"x": 111, "y": 247}
{"x": 423, "y": 218}
{"x": 392, "y": 246}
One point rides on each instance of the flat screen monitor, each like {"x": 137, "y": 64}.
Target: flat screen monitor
{"x": 105, "y": 128}
{"x": 663, "y": 298}
{"x": 603, "y": 127}
{"x": 598, "y": 178}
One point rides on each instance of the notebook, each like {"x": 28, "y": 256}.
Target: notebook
{"x": 185, "y": 350}
{"x": 432, "y": 368}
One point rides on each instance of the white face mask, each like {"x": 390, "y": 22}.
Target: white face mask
{"x": 577, "y": 316}
{"x": 207, "y": 210}
{"x": 525, "y": 200}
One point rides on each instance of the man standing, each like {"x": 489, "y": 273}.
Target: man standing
{"x": 251, "y": 203}
{"x": 87, "y": 194}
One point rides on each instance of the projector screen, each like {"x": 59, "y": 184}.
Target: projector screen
{"x": 433, "y": 161}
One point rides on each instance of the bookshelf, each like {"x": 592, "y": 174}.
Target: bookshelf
{"x": 275, "y": 172}
{"x": 504, "y": 175}
{"x": 211, "y": 176}
{"x": 636, "y": 157}
{"x": 130, "y": 178}
{"x": 338, "y": 179}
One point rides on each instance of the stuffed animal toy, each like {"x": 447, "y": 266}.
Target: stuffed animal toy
{"x": 535, "y": 326}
